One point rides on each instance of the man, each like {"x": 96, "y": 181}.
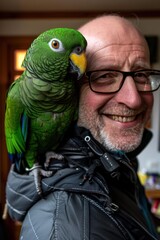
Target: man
{"x": 127, "y": 111}
{"x": 95, "y": 193}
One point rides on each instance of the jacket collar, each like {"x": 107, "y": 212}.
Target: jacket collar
{"x": 147, "y": 136}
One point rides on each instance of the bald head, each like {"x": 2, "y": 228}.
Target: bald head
{"x": 111, "y": 30}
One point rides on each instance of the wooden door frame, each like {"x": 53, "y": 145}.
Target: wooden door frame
{"x": 7, "y": 46}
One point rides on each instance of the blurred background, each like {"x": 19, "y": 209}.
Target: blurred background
{"x": 21, "y": 21}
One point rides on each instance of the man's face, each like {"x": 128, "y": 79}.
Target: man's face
{"x": 117, "y": 120}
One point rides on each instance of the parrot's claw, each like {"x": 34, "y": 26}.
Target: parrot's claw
{"x": 52, "y": 155}
{"x": 38, "y": 172}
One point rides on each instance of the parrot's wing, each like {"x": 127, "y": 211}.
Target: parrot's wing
{"x": 16, "y": 123}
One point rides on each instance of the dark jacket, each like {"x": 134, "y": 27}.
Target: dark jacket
{"x": 93, "y": 194}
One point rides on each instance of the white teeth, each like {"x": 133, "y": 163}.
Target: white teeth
{"x": 123, "y": 119}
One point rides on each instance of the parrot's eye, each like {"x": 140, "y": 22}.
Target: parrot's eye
{"x": 56, "y": 45}
{"x": 78, "y": 50}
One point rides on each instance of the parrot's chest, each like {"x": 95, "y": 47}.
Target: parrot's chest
{"x": 46, "y": 98}
{"x": 48, "y": 128}
{"x": 50, "y": 112}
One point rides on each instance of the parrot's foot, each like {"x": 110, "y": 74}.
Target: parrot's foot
{"x": 38, "y": 172}
{"x": 52, "y": 155}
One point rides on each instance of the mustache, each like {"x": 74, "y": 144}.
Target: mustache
{"x": 121, "y": 110}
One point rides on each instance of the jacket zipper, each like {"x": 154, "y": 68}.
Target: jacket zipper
{"x": 121, "y": 227}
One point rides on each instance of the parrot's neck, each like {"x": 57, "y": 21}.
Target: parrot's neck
{"x": 38, "y": 95}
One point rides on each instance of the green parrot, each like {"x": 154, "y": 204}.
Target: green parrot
{"x": 42, "y": 103}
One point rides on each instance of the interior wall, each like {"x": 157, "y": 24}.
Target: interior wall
{"x": 149, "y": 159}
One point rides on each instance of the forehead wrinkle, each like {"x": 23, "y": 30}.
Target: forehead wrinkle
{"x": 94, "y": 50}
{"x": 95, "y": 55}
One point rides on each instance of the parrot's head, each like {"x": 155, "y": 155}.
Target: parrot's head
{"x": 57, "y": 54}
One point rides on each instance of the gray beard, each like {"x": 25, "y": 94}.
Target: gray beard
{"x": 112, "y": 143}
{"x": 110, "y": 140}
{"x": 114, "y": 146}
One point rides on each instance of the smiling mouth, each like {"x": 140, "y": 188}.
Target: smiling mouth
{"x": 122, "y": 118}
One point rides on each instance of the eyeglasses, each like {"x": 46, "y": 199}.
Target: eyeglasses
{"x": 111, "y": 81}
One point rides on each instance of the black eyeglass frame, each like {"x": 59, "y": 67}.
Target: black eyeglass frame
{"x": 125, "y": 74}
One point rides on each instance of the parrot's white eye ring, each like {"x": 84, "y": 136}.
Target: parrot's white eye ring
{"x": 56, "y": 45}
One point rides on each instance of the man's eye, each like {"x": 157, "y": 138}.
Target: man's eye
{"x": 110, "y": 75}
{"x": 105, "y": 77}
{"x": 142, "y": 77}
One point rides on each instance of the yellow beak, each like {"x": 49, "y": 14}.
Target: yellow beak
{"x": 79, "y": 62}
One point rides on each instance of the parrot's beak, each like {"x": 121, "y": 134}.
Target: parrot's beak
{"x": 78, "y": 64}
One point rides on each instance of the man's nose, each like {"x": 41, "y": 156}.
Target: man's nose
{"x": 128, "y": 94}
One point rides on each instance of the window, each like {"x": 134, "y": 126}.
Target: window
{"x": 18, "y": 59}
